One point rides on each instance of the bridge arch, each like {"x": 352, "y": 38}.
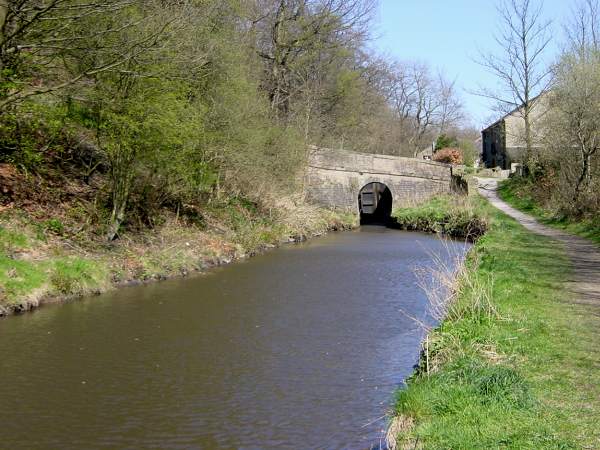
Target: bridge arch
{"x": 334, "y": 178}
{"x": 375, "y": 203}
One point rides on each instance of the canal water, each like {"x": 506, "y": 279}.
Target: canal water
{"x": 299, "y": 348}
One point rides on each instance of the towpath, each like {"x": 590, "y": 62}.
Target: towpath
{"x": 584, "y": 254}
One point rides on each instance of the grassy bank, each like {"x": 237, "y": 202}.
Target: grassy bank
{"x": 514, "y": 365}
{"x": 52, "y": 257}
{"x": 449, "y": 215}
{"x": 521, "y": 194}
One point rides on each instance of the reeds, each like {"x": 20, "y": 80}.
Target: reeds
{"x": 453, "y": 292}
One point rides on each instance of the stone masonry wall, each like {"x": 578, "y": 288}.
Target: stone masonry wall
{"x": 335, "y": 177}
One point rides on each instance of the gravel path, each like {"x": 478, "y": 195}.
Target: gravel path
{"x": 584, "y": 254}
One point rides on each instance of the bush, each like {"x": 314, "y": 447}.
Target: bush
{"x": 448, "y": 156}
{"x": 469, "y": 152}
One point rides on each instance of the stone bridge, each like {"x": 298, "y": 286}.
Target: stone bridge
{"x": 336, "y": 178}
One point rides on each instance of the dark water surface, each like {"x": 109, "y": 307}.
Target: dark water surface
{"x": 300, "y": 348}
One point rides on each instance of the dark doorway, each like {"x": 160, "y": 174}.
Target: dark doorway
{"x": 375, "y": 204}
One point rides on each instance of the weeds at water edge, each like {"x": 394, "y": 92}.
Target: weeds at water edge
{"x": 452, "y": 292}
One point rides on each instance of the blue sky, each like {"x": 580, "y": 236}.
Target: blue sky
{"x": 447, "y": 34}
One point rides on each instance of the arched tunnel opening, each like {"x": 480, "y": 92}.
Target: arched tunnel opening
{"x": 375, "y": 204}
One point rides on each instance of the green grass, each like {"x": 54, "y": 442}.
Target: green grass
{"x": 449, "y": 215}
{"x": 254, "y": 230}
{"x": 76, "y": 276}
{"x": 525, "y": 376}
{"x": 518, "y": 193}
{"x": 20, "y": 278}
{"x": 23, "y": 278}
{"x": 11, "y": 240}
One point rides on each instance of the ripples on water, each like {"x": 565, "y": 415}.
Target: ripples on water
{"x": 300, "y": 348}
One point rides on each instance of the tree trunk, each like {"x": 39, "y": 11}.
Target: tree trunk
{"x": 589, "y": 167}
{"x": 117, "y": 217}
{"x": 122, "y": 160}
{"x": 120, "y": 195}
{"x": 583, "y": 176}
{"x": 307, "y": 118}
{"x": 528, "y": 140}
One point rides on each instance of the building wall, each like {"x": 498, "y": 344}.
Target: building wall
{"x": 335, "y": 177}
{"x": 493, "y": 145}
{"x": 515, "y": 124}
{"x": 507, "y": 136}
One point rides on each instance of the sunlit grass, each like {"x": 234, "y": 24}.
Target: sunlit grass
{"x": 525, "y": 378}
{"x": 450, "y": 215}
{"x": 26, "y": 278}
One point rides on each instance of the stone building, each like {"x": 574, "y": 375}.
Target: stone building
{"x": 503, "y": 142}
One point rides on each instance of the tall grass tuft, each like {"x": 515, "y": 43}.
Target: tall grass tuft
{"x": 453, "y": 292}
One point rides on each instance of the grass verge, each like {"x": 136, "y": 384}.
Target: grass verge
{"x": 517, "y": 192}
{"x": 514, "y": 364}
{"x": 41, "y": 262}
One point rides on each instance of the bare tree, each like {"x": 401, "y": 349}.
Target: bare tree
{"x": 424, "y": 105}
{"x": 451, "y": 108}
{"x": 520, "y": 67}
{"x": 583, "y": 28}
{"x": 291, "y": 30}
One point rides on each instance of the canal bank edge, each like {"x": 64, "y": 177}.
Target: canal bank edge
{"x": 513, "y": 364}
{"x": 50, "y": 268}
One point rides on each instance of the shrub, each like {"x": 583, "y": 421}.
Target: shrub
{"x": 449, "y": 156}
{"x": 469, "y": 152}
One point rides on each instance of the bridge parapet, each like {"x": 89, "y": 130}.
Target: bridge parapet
{"x": 335, "y": 177}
